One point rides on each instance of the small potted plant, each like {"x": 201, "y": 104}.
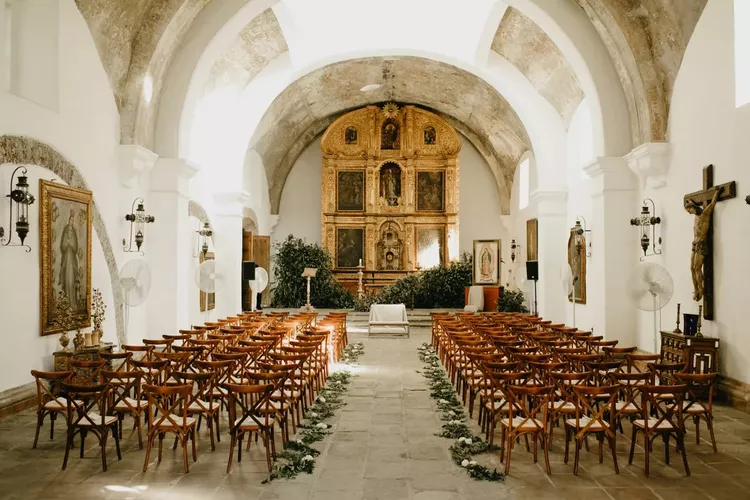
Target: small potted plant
{"x": 98, "y": 308}
{"x": 64, "y": 318}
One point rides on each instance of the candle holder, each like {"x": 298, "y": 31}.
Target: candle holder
{"x": 700, "y": 321}
{"x": 360, "y": 276}
{"x": 677, "y": 330}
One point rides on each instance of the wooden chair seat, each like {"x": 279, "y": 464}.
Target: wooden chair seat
{"x": 123, "y": 405}
{"x": 60, "y": 404}
{"x": 663, "y": 426}
{"x": 496, "y": 405}
{"x": 563, "y": 406}
{"x": 523, "y": 423}
{"x": 200, "y": 405}
{"x": 584, "y": 421}
{"x": 626, "y": 407}
{"x": 176, "y": 422}
{"x": 96, "y": 419}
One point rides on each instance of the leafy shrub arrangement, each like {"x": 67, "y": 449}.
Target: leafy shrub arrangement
{"x": 512, "y": 301}
{"x": 293, "y": 255}
{"x": 434, "y": 288}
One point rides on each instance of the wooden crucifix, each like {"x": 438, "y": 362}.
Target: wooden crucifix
{"x": 701, "y": 204}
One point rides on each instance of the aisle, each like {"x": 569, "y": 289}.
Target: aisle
{"x": 383, "y": 445}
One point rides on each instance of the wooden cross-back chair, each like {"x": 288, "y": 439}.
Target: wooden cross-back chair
{"x": 595, "y": 414}
{"x": 168, "y": 413}
{"x": 667, "y": 420}
{"x": 201, "y": 402}
{"x": 698, "y": 401}
{"x": 154, "y": 371}
{"x": 565, "y": 403}
{"x": 630, "y": 403}
{"x": 251, "y": 413}
{"x": 116, "y": 361}
{"x": 528, "y": 408}
{"x": 126, "y": 398}
{"x": 86, "y": 372}
{"x": 49, "y": 401}
{"x": 91, "y": 415}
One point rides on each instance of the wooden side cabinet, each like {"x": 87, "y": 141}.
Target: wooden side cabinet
{"x": 701, "y": 354}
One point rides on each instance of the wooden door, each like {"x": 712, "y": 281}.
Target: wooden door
{"x": 262, "y": 257}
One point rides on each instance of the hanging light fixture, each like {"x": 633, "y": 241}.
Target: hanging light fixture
{"x": 139, "y": 218}
{"x": 579, "y": 230}
{"x": 205, "y": 233}
{"x": 647, "y": 223}
{"x": 21, "y": 198}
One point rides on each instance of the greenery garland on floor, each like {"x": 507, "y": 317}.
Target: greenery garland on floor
{"x": 299, "y": 456}
{"x": 452, "y": 412}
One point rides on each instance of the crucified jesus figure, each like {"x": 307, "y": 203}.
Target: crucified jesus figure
{"x": 701, "y": 226}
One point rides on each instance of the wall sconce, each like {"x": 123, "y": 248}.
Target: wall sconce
{"x": 22, "y": 199}
{"x": 646, "y": 221}
{"x": 579, "y": 231}
{"x": 138, "y": 217}
{"x": 205, "y": 233}
{"x": 513, "y": 247}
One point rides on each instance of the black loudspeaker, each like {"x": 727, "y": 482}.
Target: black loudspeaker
{"x": 248, "y": 270}
{"x": 532, "y": 270}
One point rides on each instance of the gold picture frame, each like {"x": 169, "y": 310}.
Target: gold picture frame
{"x": 487, "y": 263}
{"x": 532, "y": 239}
{"x": 65, "y": 252}
{"x": 577, "y": 263}
{"x": 211, "y": 302}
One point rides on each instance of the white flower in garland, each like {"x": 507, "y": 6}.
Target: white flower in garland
{"x": 472, "y": 463}
{"x": 322, "y": 426}
{"x": 322, "y": 399}
{"x": 465, "y": 463}
{"x": 451, "y": 413}
{"x": 443, "y": 401}
{"x": 307, "y": 458}
{"x": 312, "y": 414}
{"x": 461, "y": 439}
{"x": 468, "y": 441}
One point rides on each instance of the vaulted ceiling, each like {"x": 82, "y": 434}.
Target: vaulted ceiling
{"x": 646, "y": 40}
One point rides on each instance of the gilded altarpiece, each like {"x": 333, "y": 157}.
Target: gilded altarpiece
{"x": 392, "y": 172}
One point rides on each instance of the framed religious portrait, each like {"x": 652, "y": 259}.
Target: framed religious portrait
{"x": 207, "y": 300}
{"x": 430, "y": 248}
{"x": 532, "y": 245}
{"x": 65, "y": 216}
{"x": 430, "y": 190}
{"x": 486, "y": 262}
{"x": 577, "y": 262}
{"x": 350, "y": 246}
{"x": 350, "y": 189}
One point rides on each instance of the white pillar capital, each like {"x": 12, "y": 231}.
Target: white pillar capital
{"x": 550, "y": 201}
{"x": 172, "y": 175}
{"x": 609, "y": 173}
{"x": 232, "y": 203}
{"x": 134, "y": 161}
{"x": 650, "y": 162}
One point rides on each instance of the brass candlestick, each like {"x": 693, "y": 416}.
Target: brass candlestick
{"x": 700, "y": 321}
{"x": 677, "y": 330}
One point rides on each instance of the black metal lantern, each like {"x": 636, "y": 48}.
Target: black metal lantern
{"x": 513, "y": 247}
{"x": 205, "y": 233}
{"x": 648, "y": 223}
{"x": 579, "y": 230}
{"x": 21, "y": 198}
{"x": 139, "y": 218}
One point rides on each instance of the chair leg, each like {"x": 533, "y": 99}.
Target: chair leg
{"x": 710, "y": 425}
{"x": 218, "y": 434}
{"x": 103, "y": 443}
{"x": 149, "y": 444}
{"x": 697, "y": 421}
{"x": 507, "y": 457}
{"x": 39, "y": 419}
{"x": 646, "y": 444}
{"x": 613, "y": 448}
{"x": 632, "y": 446}
{"x": 545, "y": 449}
{"x": 117, "y": 444}
{"x": 192, "y": 439}
{"x": 52, "y": 417}
{"x": 209, "y": 422}
{"x": 233, "y": 443}
{"x": 83, "y": 439}
{"x": 183, "y": 441}
{"x": 681, "y": 442}
{"x": 138, "y": 425}
{"x": 666, "y": 448}
{"x": 68, "y": 445}
{"x": 578, "y": 453}
{"x": 161, "y": 442}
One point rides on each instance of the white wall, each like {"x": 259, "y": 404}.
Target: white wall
{"x": 479, "y": 212}
{"x": 705, "y": 127}
{"x": 85, "y": 130}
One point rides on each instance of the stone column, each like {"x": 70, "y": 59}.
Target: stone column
{"x": 551, "y": 209}
{"x": 615, "y": 250}
{"x": 228, "y": 245}
{"x": 168, "y": 246}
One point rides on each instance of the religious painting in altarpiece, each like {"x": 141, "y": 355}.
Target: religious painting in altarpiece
{"x": 390, "y": 166}
{"x": 577, "y": 262}
{"x": 65, "y": 247}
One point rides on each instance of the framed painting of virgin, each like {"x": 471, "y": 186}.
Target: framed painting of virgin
{"x": 486, "y": 262}
{"x": 65, "y": 215}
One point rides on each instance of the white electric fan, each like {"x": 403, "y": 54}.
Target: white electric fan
{"x": 650, "y": 288}
{"x": 135, "y": 280}
{"x": 206, "y": 278}
{"x": 569, "y": 286}
{"x": 260, "y": 282}
{"x": 522, "y": 283}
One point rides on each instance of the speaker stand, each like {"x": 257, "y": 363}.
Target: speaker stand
{"x": 536, "y": 312}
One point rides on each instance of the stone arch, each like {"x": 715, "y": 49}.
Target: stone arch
{"x": 249, "y": 220}
{"x": 25, "y": 150}
{"x": 196, "y": 210}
